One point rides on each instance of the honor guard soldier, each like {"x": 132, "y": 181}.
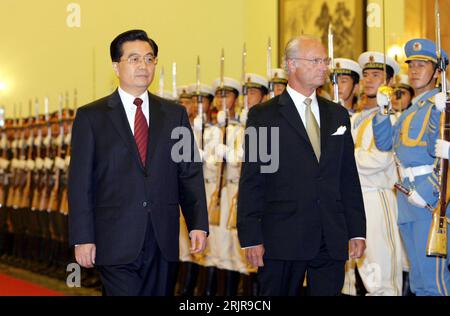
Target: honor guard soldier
{"x": 201, "y": 127}
{"x": 184, "y": 97}
{"x": 348, "y": 73}
{"x": 409, "y": 137}
{"x": 380, "y": 267}
{"x": 217, "y": 176}
{"x": 403, "y": 94}
{"x": 257, "y": 88}
{"x": 279, "y": 80}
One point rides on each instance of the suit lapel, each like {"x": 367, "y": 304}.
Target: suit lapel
{"x": 119, "y": 119}
{"x": 290, "y": 113}
{"x": 325, "y": 116}
{"x": 156, "y": 119}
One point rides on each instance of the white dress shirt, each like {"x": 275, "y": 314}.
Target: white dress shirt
{"x": 130, "y": 107}
{"x": 299, "y": 99}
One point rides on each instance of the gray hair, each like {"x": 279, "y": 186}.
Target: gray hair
{"x": 293, "y": 48}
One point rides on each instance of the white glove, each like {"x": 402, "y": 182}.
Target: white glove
{"x": 14, "y": 144}
{"x": 67, "y": 138}
{"x": 383, "y": 102}
{"x": 221, "y": 151}
{"x": 440, "y": 100}
{"x": 240, "y": 154}
{"x": 4, "y": 163}
{"x": 58, "y": 140}
{"x": 37, "y": 141}
{"x": 441, "y": 148}
{"x": 243, "y": 117}
{"x": 211, "y": 165}
{"x": 202, "y": 154}
{"x": 198, "y": 123}
{"x": 221, "y": 117}
{"x": 39, "y": 163}
{"x": 29, "y": 141}
{"x": 30, "y": 164}
{"x": 21, "y": 164}
{"x": 14, "y": 163}
{"x": 48, "y": 163}
{"x": 67, "y": 161}
{"x": 415, "y": 199}
{"x": 60, "y": 163}
{"x": 47, "y": 140}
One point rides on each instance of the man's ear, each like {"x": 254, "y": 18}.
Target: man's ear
{"x": 115, "y": 67}
{"x": 292, "y": 65}
{"x": 437, "y": 73}
{"x": 391, "y": 81}
{"x": 355, "y": 89}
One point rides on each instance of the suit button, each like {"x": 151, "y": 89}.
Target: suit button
{"x": 144, "y": 204}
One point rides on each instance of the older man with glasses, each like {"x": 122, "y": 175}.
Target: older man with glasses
{"x": 302, "y": 218}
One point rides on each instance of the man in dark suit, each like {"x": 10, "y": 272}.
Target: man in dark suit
{"x": 304, "y": 216}
{"x": 125, "y": 187}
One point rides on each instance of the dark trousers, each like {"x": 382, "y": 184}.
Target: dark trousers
{"x": 324, "y": 276}
{"x": 149, "y": 275}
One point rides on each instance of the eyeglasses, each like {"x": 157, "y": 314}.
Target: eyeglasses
{"x": 136, "y": 59}
{"x": 315, "y": 61}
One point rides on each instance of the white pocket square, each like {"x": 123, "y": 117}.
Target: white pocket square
{"x": 340, "y": 131}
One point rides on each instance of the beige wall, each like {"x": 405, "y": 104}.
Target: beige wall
{"x": 40, "y": 55}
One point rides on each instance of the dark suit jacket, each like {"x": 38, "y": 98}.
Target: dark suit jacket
{"x": 111, "y": 193}
{"x": 288, "y": 211}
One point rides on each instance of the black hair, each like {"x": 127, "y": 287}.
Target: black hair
{"x": 389, "y": 73}
{"x": 353, "y": 75}
{"x": 115, "y": 48}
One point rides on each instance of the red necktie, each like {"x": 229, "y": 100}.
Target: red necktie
{"x": 140, "y": 130}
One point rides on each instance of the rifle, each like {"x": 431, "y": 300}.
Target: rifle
{"x": 334, "y": 79}
{"x": 39, "y": 163}
{"x": 20, "y": 173}
{"x": 25, "y": 194}
{"x": 385, "y": 89}
{"x": 53, "y": 199}
{"x": 437, "y": 237}
{"x": 214, "y": 205}
{"x": 13, "y": 168}
{"x": 200, "y": 102}
{"x": 45, "y": 179}
{"x": 4, "y": 158}
{"x": 64, "y": 205}
{"x": 232, "y": 216}
{"x": 269, "y": 69}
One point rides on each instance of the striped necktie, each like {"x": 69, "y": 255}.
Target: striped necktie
{"x": 140, "y": 130}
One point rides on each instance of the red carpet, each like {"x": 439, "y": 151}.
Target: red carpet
{"x": 10, "y": 286}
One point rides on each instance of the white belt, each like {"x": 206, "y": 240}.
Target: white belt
{"x": 413, "y": 172}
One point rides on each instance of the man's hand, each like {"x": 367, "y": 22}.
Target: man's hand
{"x": 85, "y": 255}
{"x": 441, "y": 149}
{"x": 383, "y": 102}
{"x": 198, "y": 241}
{"x": 440, "y": 101}
{"x": 255, "y": 255}
{"x": 357, "y": 247}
